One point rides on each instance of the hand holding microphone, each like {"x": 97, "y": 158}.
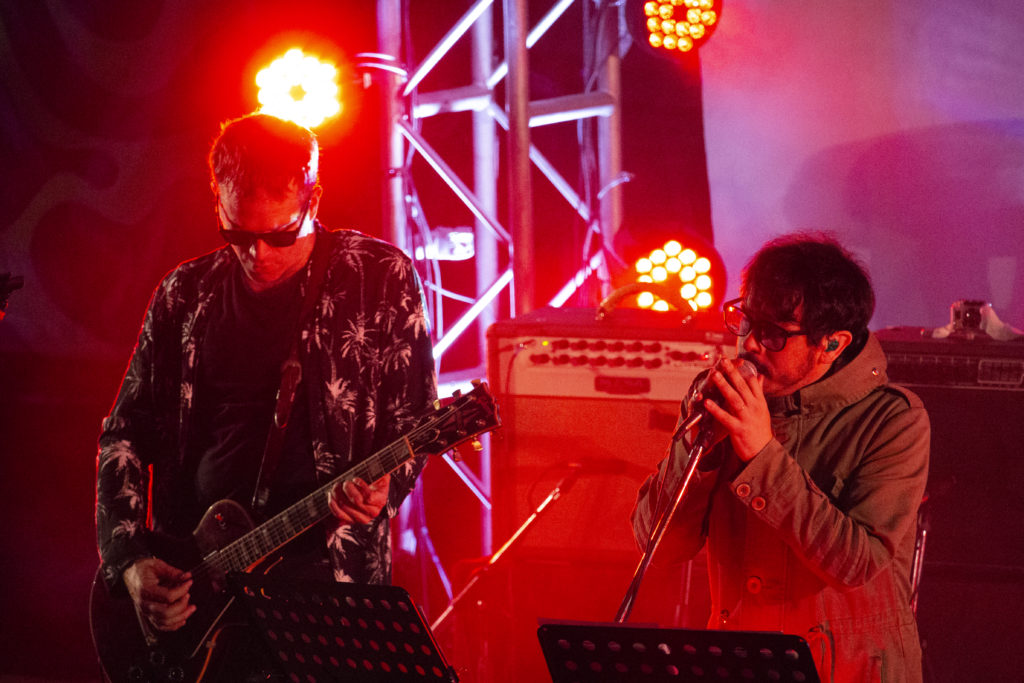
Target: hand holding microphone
{"x": 703, "y": 388}
{"x": 728, "y": 400}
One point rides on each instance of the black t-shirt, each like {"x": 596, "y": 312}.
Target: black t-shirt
{"x": 239, "y": 371}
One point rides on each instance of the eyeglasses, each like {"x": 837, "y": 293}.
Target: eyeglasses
{"x": 768, "y": 334}
{"x": 278, "y": 237}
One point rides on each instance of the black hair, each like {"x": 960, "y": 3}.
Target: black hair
{"x": 812, "y": 272}
{"x": 262, "y": 153}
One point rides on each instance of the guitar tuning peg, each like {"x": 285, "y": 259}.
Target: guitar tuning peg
{"x": 456, "y": 455}
{"x": 477, "y": 446}
{"x": 457, "y": 393}
{"x": 437, "y": 404}
{"x": 475, "y": 382}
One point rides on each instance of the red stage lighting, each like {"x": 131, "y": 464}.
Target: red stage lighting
{"x": 669, "y": 268}
{"x": 677, "y": 266}
{"x": 674, "y": 25}
{"x": 300, "y": 88}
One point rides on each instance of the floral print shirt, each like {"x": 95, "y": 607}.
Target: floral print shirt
{"x": 369, "y": 374}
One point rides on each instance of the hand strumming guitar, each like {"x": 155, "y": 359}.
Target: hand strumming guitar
{"x": 160, "y": 593}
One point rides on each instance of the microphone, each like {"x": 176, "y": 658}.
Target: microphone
{"x": 575, "y": 468}
{"x": 704, "y": 387}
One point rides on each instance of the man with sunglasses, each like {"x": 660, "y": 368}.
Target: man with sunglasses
{"x": 808, "y": 497}
{"x": 196, "y": 405}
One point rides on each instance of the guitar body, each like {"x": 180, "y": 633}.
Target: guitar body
{"x": 185, "y": 655}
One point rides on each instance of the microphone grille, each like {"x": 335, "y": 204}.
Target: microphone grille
{"x": 747, "y": 369}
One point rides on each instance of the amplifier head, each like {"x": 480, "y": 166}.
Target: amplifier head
{"x": 629, "y": 355}
{"x": 916, "y": 359}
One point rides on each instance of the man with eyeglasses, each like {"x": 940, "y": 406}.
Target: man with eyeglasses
{"x": 808, "y": 497}
{"x": 196, "y": 405}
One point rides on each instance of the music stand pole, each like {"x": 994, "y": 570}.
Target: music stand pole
{"x": 561, "y": 487}
{"x": 661, "y": 525}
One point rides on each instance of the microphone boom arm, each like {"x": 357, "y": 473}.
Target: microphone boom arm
{"x": 661, "y": 525}
{"x": 560, "y": 489}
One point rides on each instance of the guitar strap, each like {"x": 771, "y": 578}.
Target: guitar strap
{"x": 291, "y": 374}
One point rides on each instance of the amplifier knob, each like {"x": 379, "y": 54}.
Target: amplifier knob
{"x": 540, "y": 358}
{"x": 635, "y": 362}
{"x": 653, "y": 363}
{"x": 560, "y": 359}
{"x": 579, "y": 360}
{"x": 598, "y": 361}
{"x": 616, "y": 361}
{"x": 653, "y": 347}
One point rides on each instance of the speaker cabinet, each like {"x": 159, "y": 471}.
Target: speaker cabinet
{"x": 972, "y": 583}
{"x": 610, "y": 446}
{"x": 596, "y": 402}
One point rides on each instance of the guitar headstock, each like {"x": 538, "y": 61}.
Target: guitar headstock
{"x": 462, "y": 418}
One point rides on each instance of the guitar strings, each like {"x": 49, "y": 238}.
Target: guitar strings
{"x": 234, "y": 554}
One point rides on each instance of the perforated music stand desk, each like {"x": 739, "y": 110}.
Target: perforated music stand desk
{"x": 320, "y": 631}
{"x": 607, "y": 653}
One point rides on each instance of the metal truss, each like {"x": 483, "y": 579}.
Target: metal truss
{"x": 598, "y": 206}
{"x": 498, "y": 99}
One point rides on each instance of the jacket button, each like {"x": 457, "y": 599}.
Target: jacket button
{"x": 723, "y": 616}
{"x": 757, "y": 504}
{"x": 754, "y": 584}
{"x": 743, "y": 490}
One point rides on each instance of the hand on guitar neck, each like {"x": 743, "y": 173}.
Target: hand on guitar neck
{"x": 356, "y": 502}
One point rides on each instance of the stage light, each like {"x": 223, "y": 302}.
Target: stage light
{"x": 674, "y": 25}
{"x": 679, "y": 267}
{"x": 300, "y": 88}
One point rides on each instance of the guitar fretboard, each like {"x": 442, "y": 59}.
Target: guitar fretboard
{"x": 301, "y": 515}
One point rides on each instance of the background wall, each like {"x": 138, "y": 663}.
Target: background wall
{"x": 899, "y": 125}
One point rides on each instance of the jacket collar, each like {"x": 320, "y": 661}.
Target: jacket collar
{"x": 849, "y": 384}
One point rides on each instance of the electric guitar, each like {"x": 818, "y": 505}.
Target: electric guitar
{"x": 226, "y": 540}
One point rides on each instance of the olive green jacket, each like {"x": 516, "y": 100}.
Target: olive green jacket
{"x": 815, "y": 535}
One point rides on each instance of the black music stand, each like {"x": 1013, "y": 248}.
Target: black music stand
{"x": 606, "y": 653}
{"x": 318, "y": 631}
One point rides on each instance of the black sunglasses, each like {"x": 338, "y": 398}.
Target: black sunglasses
{"x": 768, "y": 334}
{"x": 279, "y": 237}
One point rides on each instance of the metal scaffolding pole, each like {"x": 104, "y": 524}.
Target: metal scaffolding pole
{"x": 609, "y": 138}
{"x": 389, "y": 41}
{"x": 517, "y": 104}
{"x": 485, "y": 184}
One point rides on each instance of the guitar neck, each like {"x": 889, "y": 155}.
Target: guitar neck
{"x": 301, "y": 515}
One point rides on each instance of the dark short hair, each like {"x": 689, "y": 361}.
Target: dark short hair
{"x": 262, "y": 153}
{"x": 810, "y": 271}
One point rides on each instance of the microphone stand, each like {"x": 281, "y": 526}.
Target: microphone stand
{"x": 661, "y": 525}
{"x": 561, "y": 487}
